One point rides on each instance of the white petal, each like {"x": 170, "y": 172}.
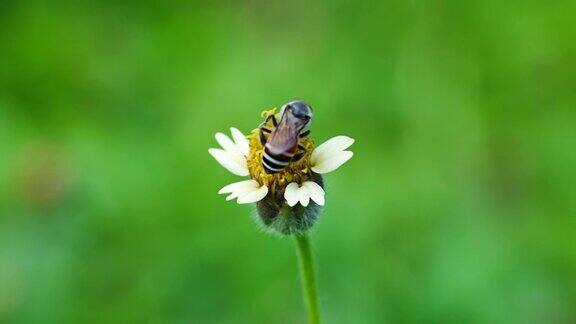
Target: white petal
{"x": 238, "y": 186}
{"x": 304, "y": 196}
{"x": 226, "y": 143}
{"x": 332, "y": 163}
{"x": 291, "y": 194}
{"x": 238, "y": 189}
{"x": 230, "y": 161}
{"x": 253, "y": 196}
{"x": 247, "y": 191}
{"x": 241, "y": 141}
{"x": 331, "y": 147}
{"x": 316, "y": 192}
{"x": 240, "y": 193}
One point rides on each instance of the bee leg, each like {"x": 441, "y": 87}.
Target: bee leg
{"x": 300, "y": 154}
{"x": 306, "y": 133}
{"x": 263, "y": 129}
{"x": 271, "y": 118}
{"x": 262, "y": 136}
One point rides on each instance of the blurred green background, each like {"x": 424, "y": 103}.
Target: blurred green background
{"x": 458, "y": 207}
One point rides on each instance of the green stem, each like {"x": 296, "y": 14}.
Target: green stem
{"x": 308, "y": 278}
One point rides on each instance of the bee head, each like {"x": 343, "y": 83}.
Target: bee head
{"x": 298, "y": 111}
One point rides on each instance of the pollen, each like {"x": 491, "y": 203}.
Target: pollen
{"x": 297, "y": 171}
{"x": 268, "y": 112}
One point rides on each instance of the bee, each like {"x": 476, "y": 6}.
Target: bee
{"x": 281, "y": 143}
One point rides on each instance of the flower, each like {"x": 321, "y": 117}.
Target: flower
{"x": 331, "y": 154}
{"x": 295, "y": 193}
{"x": 248, "y": 191}
{"x": 233, "y": 154}
{"x": 289, "y": 199}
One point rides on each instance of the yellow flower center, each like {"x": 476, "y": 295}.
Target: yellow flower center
{"x": 297, "y": 171}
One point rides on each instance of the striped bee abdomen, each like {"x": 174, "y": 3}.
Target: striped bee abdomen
{"x": 273, "y": 163}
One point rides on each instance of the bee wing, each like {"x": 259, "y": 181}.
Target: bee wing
{"x": 284, "y": 139}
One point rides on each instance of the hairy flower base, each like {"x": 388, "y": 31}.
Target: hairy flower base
{"x": 276, "y": 216}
